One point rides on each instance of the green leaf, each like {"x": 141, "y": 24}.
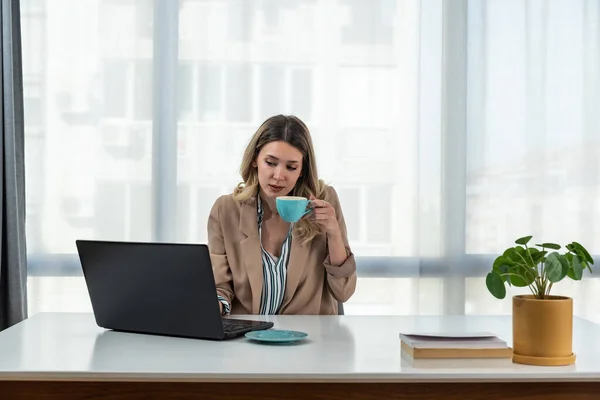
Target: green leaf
{"x": 554, "y": 267}
{"x": 495, "y": 285}
{"x": 502, "y": 260}
{"x": 537, "y": 257}
{"x": 585, "y": 253}
{"x": 585, "y": 265}
{"x": 521, "y": 276}
{"x": 577, "y": 268}
{"x": 524, "y": 240}
{"x": 552, "y": 246}
{"x": 520, "y": 250}
{"x": 512, "y": 255}
{"x": 502, "y": 266}
{"x": 517, "y": 255}
{"x": 534, "y": 254}
{"x": 566, "y": 265}
{"x": 581, "y": 256}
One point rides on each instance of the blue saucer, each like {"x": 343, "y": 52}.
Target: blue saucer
{"x": 276, "y": 335}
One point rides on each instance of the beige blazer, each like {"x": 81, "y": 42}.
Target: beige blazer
{"x": 313, "y": 286}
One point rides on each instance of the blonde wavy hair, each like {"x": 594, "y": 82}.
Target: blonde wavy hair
{"x": 292, "y": 130}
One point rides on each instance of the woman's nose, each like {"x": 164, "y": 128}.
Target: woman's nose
{"x": 278, "y": 174}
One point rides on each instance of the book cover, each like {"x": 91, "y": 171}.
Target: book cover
{"x": 453, "y": 340}
{"x": 454, "y": 345}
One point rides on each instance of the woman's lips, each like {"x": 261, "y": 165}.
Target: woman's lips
{"x": 276, "y": 188}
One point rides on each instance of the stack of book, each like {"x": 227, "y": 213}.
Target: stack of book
{"x": 453, "y": 345}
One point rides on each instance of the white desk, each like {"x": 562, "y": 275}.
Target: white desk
{"x": 68, "y": 354}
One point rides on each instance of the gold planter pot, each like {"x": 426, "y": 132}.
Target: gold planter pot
{"x": 543, "y": 330}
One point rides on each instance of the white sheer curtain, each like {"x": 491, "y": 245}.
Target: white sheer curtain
{"x": 449, "y": 128}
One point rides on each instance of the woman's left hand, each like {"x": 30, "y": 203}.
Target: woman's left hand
{"x": 324, "y": 215}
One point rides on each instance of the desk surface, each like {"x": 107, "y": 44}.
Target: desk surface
{"x": 70, "y": 346}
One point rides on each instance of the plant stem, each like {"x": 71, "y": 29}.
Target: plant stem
{"x": 522, "y": 258}
{"x": 530, "y": 256}
{"x": 544, "y": 280}
{"x": 542, "y": 261}
{"x": 512, "y": 274}
{"x": 540, "y": 286}
{"x": 528, "y": 271}
{"x": 543, "y": 286}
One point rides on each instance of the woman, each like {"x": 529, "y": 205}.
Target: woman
{"x": 263, "y": 265}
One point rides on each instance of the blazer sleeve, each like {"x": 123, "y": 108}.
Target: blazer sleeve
{"x": 341, "y": 279}
{"x": 218, "y": 258}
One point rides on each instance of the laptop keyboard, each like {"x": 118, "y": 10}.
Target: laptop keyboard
{"x": 230, "y": 326}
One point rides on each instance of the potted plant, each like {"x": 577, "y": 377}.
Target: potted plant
{"x": 542, "y": 323}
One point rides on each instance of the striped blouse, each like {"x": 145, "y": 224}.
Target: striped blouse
{"x": 274, "y": 271}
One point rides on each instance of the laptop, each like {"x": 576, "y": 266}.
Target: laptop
{"x": 157, "y": 288}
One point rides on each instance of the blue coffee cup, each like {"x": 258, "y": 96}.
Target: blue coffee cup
{"x": 292, "y": 208}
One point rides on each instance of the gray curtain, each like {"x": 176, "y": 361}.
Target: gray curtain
{"x": 13, "y": 255}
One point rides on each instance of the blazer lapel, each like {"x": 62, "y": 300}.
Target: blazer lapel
{"x": 251, "y": 252}
{"x": 295, "y": 269}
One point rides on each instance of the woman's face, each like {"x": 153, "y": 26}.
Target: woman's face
{"x": 279, "y": 166}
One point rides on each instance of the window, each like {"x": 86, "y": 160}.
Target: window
{"x": 238, "y": 92}
{"x": 272, "y": 89}
{"x": 185, "y": 90}
{"x": 370, "y": 23}
{"x": 438, "y": 161}
{"x": 210, "y": 92}
{"x": 351, "y": 201}
{"x": 115, "y": 88}
{"x": 143, "y": 91}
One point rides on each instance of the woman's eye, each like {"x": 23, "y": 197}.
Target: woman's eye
{"x": 270, "y": 164}
{"x": 292, "y": 168}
